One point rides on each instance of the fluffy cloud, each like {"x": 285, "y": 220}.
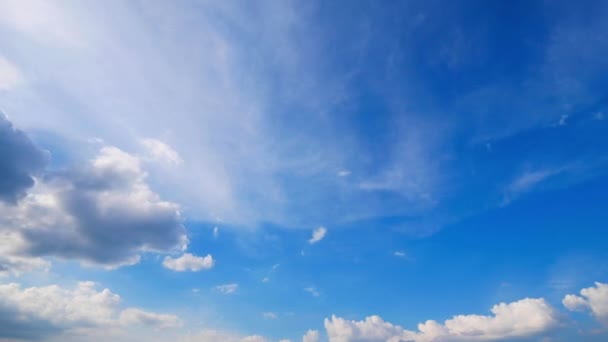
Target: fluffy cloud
{"x": 517, "y": 319}
{"x": 189, "y": 262}
{"x": 38, "y": 312}
{"x": 16, "y": 265}
{"x": 311, "y": 336}
{"x": 594, "y": 299}
{"x": 372, "y": 329}
{"x": 227, "y": 288}
{"x": 317, "y": 235}
{"x": 101, "y": 213}
{"x": 20, "y": 161}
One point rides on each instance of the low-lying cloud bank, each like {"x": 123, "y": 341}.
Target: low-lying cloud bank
{"x": 41, "y": 312}
{"x": 525, "y": 317}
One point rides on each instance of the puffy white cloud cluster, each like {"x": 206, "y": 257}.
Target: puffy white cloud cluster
{"x": 39, "y": 312}
{"x": 525, "y": 317}
{"x": 594, "y": 299}
{"x": 311, "y": 336}
{"x": 189, "y": 262}
{"x": 102, "y": 212}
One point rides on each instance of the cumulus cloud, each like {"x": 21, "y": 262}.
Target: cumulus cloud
{"x": 189, "y": 262}
{"x": 227, "y": 288}
{"x": 101, "y": 213}
{"x": 317, "y": 235}
{"x": 311, "y": 336}
{"x": 40, "y": 312}
{"x": 522, "y": 318}
{"x": 16, "y": 265}
{"x": 594, "y": 299}
{"x": 20, "y": 161}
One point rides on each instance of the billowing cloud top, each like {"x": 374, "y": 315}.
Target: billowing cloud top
{"x": 101, "y": 213}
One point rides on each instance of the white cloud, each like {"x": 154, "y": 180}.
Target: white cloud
{"x": 265, "y": 280}
{"x": 158, "y": 150}
{"x": 133, "y": 316}
{"x": 227, "y": 288}
{"x": 10, "y": 76}
{"x": 208, "y": 104}
{"x": 400, "y": 254}
{"x": 575, "y": 303}
{"x": 594, "y": 299}
{"x": 40, "y": 312}
{"x": 526, "y": 182}
{"x": 526, "y": 317}
{"x": 343, "y": 173}
{"x": 189, "y": 262}
{"x": 311, "y": 336}
{"x": 313, "y": 291}
{"x": 16, "y": 265}
{"x": 270, "y": 315}
{"x": 317, "y": 235}
{"x": 103, "y": 213}
{"x": 216, "y": 232}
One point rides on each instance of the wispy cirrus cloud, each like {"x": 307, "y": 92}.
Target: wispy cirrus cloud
{"x": 227, "y": 289}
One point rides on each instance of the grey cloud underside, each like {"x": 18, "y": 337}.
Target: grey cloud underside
{"x": 106, "y": 236}
{"x": 102, "y": 212}
{"x": 20, "y": 159}
{"x": 24, "y": 329}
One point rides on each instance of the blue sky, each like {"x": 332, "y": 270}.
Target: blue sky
{"x": 303, "y": 171}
